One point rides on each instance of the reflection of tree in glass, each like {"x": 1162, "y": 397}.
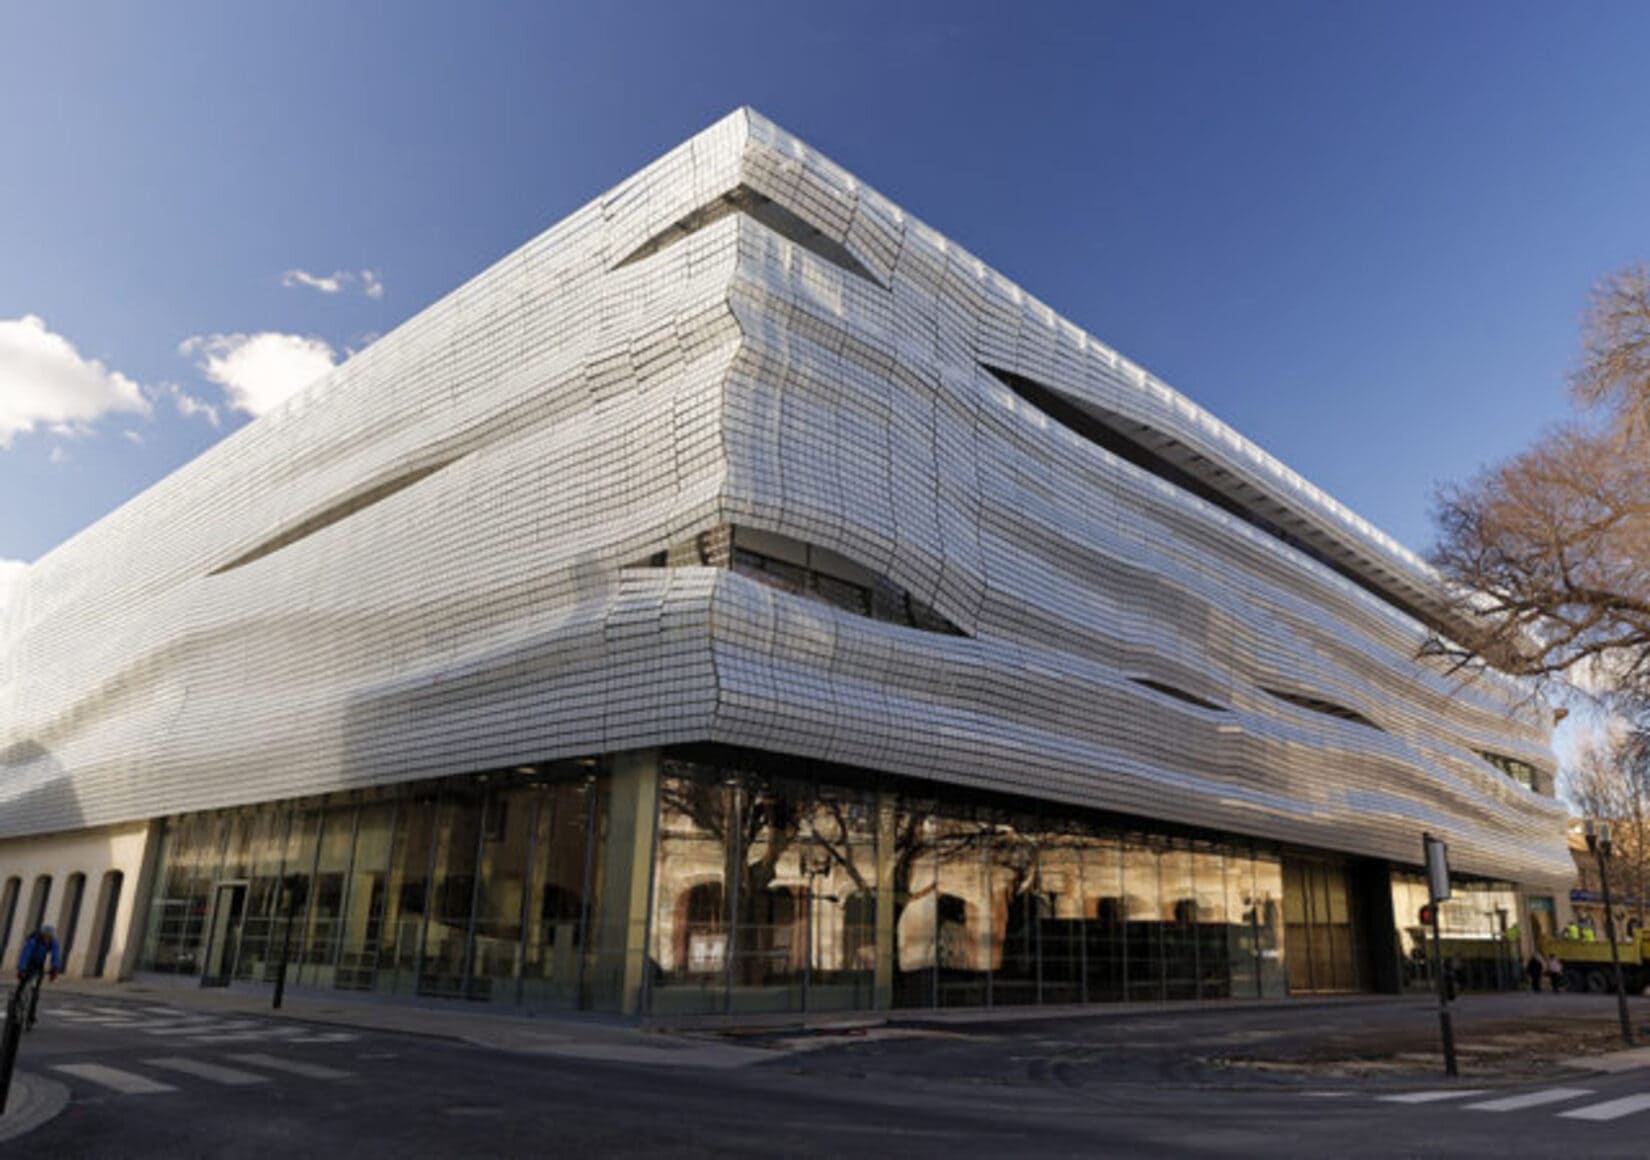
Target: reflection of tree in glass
{"x": 776, "y": 836}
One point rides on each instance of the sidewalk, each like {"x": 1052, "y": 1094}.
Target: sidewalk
{"x": 34, "y": 1100}
{"x": 571, "y": 1036}
{"x": 1314, "y": 1035}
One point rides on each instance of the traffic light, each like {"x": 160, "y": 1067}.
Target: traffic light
{"x": 1426, "y": 915}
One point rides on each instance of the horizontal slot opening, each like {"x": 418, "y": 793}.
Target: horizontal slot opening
{"x": 776, "y": 217}
{"x": 328, "y": 516}
{"x": 1327, "y": 708}
{"x": 1178, "y": 694}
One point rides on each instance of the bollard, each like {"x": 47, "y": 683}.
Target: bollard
{"x": 8, "y": 1045}
{"x": 280, "y": 969}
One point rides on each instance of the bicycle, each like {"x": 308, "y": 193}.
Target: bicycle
{"x": 25, "y": 1000}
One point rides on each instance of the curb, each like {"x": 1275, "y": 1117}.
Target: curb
{"x": 34, "y": 1100}
{"x": 1610, "y": 1063}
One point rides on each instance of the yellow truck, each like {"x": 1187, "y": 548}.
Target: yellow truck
{"x": 1587, "y": 965}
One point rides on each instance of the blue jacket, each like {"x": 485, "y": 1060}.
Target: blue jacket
{"x": 35, "y": 952}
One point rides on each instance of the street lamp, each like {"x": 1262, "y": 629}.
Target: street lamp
{"x": 1598, "y": 842}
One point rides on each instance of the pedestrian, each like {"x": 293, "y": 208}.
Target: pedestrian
{"x": 41, "y": 955}
{"x": 1535, "y": 968}
{"x": 1555, "y": 973}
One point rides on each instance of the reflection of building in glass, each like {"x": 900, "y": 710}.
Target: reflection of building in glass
{"x": 1477, "y": 932}
{"x": 741, "y": 598}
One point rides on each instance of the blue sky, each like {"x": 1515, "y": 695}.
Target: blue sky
{"x": 1362, "y": 234}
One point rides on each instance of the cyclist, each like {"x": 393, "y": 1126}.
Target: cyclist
{"x": 41, "y": 955}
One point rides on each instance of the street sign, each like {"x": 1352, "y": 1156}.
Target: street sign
{"x": 1437, "y": 855}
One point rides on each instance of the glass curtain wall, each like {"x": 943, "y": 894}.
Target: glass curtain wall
{"x": 764, "y": 894}
{"x": 1477, "y": 930}
{"x": 838, "y": 860}
{"x": 364, "y": 900}
{"x": 471, "y": 888}
{"x": 558, "y": 887}
{"x": 765, "y": 898}
{"x": 760, "y": 891}
{"x": 1326, "y": 957}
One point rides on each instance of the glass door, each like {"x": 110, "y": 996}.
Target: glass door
{"x": 224, "y": 934}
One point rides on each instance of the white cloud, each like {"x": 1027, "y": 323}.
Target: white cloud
{"x": 58, "y": 455}
{"x": 325, "y": 283}
{"x": 259, "y": 371}
{"x": 45, "y": 382}
{"x": 132, "y": 437}
{"x": 187, "y": 405}
{"x": 371, "y": 284}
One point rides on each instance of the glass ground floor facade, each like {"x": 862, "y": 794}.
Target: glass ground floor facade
{"x": 712, "y": 881}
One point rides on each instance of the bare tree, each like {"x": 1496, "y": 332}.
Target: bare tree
{"x": 1548, "y": 551}
{"x": 1615, "y": 372}
{"x": 1610, "y": 779}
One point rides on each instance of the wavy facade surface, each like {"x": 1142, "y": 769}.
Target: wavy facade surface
{"x": 503, "y": 532}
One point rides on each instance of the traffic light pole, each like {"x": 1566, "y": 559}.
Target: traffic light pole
{"x": 1615, "y": 951}
{"x": 1445, "y": 1024}
{"x": 1435, "y": 854}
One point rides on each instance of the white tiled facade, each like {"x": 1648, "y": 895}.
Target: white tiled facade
{"x": 438, "y": 558}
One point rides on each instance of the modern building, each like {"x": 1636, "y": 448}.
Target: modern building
{"x": 742, "y": 598}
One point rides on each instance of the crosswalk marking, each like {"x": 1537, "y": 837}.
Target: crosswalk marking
{"x": 284, "y": 1036}
{"x": 114, "y": 1079}
{"x": 197, "y": 1026}
{"x": 217, "y": 1073}
{"x": 1530, "y": 1100}
{"x": 276, "y": 1063}
{"x": 1431, "y": 1097}
{"x": 1610, "y": 1109}
{"x": 196, "y": 1029}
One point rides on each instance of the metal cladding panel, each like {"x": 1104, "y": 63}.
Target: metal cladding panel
{"x": 430, "y": 561}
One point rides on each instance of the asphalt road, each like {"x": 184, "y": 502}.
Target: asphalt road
{"x": 149, "y": 1080}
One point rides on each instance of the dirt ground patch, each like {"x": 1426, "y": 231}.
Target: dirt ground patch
{"x": 1508, "y": 1049}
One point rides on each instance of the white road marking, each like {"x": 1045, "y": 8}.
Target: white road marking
{"x": 280, "y": 1034}
{"x": 113, "y": 1078}
{"x": 1431, "y": 1097}
{"x": 276, "y": 1063}
{"x": 208, "y": 1040}
{"x": 202, "y": 1026}
{"x": 217, "y": 1073}
{"x": 1610, "y": 1109}
{"x": 1530, "y": 1100}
